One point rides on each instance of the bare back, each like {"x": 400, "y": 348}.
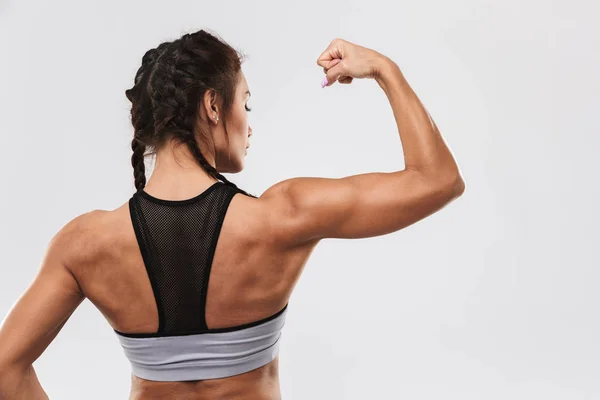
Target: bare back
{"x": 251, "y": 278}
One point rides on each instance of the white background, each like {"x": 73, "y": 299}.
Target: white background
{"x": 493, "y": 297}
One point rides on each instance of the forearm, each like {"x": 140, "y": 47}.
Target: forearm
{"x": 423, "y": 146}
{"x": 22, "y": 384}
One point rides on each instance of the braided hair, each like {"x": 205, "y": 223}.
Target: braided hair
{"x": 168, "y": 88}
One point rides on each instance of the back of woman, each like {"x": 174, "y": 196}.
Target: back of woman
{"x": 194, "y": 274}
{"x": 251, "y": 279}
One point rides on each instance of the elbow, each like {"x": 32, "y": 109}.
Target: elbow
{"x": 451, "y": 180}
{"x": 457, "y": 186}
{"x": 452, "y": 185}
{"x": 446, "y": 179}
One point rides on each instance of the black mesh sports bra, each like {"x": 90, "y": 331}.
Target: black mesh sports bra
{"x": 177, "y": 239}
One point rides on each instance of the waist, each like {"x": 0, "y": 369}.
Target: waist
{"x": 259, "y": 384}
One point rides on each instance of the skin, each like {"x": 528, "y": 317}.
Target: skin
{"x": 263, "y": 247}
{"x": 231, "y": 147}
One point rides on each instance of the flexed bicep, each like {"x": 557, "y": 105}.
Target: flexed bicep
{"x": 308, "y": 209}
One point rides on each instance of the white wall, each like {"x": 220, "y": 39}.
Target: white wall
{"x": 494, "y": 297}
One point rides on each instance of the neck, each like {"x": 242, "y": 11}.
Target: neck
{"x": 177, "y": 174}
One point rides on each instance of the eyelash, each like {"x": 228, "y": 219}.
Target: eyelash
{"x": 248, "y": 109}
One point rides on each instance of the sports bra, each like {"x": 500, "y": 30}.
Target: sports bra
{"x": 177, "y": 239}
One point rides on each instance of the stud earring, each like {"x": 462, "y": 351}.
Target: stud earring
{"x": 217, "y": 118}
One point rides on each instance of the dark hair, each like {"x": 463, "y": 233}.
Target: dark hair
{"x": 168, "y": 89}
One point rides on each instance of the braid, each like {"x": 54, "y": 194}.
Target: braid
{"x": 141, "y": 115}
{"x": 137, "y": 161}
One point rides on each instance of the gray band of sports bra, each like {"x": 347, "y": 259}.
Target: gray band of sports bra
{"x": 205, "y": 355}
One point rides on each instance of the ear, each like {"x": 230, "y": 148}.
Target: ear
{"x": 209, "y": 103}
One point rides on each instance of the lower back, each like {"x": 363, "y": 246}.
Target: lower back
{"x": 259, "y": 384}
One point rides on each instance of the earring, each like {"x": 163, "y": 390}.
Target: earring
{"x": 217, "y": 117}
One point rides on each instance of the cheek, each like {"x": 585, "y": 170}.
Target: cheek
{"x": 239, "y": 130}
{"x": 243, "y": 121}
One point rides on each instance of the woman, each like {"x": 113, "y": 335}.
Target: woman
{"x": 146, "y": 264}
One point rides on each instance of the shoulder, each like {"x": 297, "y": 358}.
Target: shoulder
{"x": 85, "y": 238}
{"x": 274, "y": 214}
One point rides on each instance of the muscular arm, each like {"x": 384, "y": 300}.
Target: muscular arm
{"x": 307, "y": 209}
{"x": 36, "y": 318}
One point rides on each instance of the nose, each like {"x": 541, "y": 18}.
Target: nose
{"x": 249, "y": 131}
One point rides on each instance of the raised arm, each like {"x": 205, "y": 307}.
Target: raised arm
{"x": 306, "y": 209}
{"x": 37, "y": 317}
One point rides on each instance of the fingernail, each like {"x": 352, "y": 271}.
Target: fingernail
{"x": 324, "y": 82}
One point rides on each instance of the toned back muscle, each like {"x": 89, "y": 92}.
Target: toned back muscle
{"x": 251, "y": 278}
